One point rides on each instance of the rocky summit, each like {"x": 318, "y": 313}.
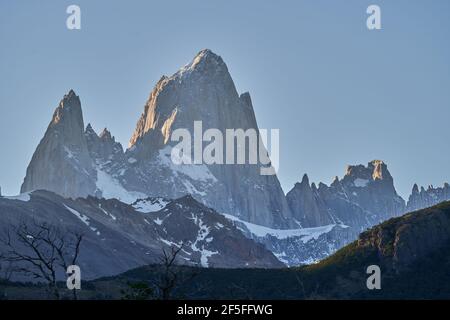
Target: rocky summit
{"x": 364, "y": 197}
{"x": 62, "y": 162}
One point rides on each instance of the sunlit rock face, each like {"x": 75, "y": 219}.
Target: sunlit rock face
{"x": 372, "y": 188}
{"x": 74, "y": 161}
{"x": 202, "y": 91}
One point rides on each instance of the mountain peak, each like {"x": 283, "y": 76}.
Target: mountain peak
{"x": 204, "y": 83}
{"x": 204, "y": 61}
{"x": 70, "y": 99}
{"x": 89, "y": 130}
{"x": 304, "y": 183}
{"x": 305, "y": 179}
{"x": 375, "y": 170}
{"x": 69, "y": 109}
{"x": 206, "y": 56}
{"x": 106, "y": 134}
{"x": 63, "y": 152}
{"x": 379, "y": 169}
{"x": 70, "y": 94}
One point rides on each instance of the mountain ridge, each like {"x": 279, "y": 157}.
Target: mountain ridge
{"x": 136, "y": 234}
{"x": 418, "y": 276}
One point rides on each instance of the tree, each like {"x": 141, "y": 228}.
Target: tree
{"x": 170, "y": 273}
{"x": 167, "y": 276}
{"x": 40, "y": 251}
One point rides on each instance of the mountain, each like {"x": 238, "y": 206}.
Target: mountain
{"x": 96, "y": 165}
{"x": 364, "y": 197}
{"x": 202, "y": 91}
{"x": 61, "y": 162}
{"x": 119, "y": 236}
{"x": 427, "y": 197}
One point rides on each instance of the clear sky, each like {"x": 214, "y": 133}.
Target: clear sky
{"x": 339, "y": 93}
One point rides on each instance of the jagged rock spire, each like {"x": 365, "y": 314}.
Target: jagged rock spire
{"x": 90, "y": 131}
{"x": 305, "y": 179}
{"x": 206, "y": 73}
{"x": 106, "y": 135}
{"x": 427, "y": 197}
{"x": 69, "y": 109}
{"x": 61, "y": 162}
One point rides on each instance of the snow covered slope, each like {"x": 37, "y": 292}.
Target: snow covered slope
{"x": 299, "y": 246}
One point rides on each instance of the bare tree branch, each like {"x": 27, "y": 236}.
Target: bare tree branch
{"x": 39, "y": 250}
{"x": 171, "y": 276}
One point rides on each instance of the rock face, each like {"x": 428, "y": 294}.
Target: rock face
{"x": 118, "y": 236}
{"x": 427, "y": 197}
{"x": 103, "y": 148}
{"x": 307, "y": 205}
{"x": 202, "y": 91}
{"x": 61, "y": 162}
{"x": 74, "y": 161}
{"x": 364, "y": 197}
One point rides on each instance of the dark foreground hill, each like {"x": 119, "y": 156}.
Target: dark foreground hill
{"x": 412, "y": 252}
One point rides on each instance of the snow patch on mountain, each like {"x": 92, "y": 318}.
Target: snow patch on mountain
{"x": 107, "y": 213}
{"x": 197, "y": 172}
{"x": 132, "y": 160}
{"x": 361, "y": 183}
{"x": 305, "y": 234}
{"x": 150, "y": 204}
{"x": 203, "y": 232}
{"x": 24, "y": 197}
{"x": 69, "y": 153}
{"x": 112, "y": 189}
{"x": 83, "y": 218}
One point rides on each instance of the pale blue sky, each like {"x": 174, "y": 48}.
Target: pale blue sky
{"x": 339, "y": 93}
